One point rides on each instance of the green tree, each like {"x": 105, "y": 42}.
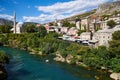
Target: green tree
{"x": 29, "y": 28}
{"x": 116, "y": 35}
{"x": 4, "y": 59}
{"x": 111, "y": 23}
{"x": 5, "y": 28}
{"x": 114, "y": 47}
{"x": 66, "y": 23}
{"x": 115, "y": 64}
{"x": 41, "y": 31}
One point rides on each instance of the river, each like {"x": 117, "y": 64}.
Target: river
{"x": 24, "y": 66}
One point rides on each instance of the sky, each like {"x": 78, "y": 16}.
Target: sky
{"x": 43, "y": 11}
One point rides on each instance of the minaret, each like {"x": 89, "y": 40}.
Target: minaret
{"x": 14, "y": 23}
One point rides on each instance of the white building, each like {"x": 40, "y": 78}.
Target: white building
{"x": 85, "y": 36}
{"x": 18, "y": 28}
{"x": 84, "y": 23}
{"x": 72, "y": 31}
{"x": 64, "y": 30}
{"x": 104, "y": 36}
{"x": 104, "y": 23}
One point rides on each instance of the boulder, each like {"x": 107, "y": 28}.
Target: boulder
{"x": 115, "y": 76}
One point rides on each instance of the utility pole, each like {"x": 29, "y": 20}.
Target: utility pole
{"x": 14, "y": 23}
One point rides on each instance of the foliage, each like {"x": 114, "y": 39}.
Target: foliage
{"x": 111, "y": 23}
{"x": 66, "y": 23}
{"x": 29, "y": 28}
{"x": 3, "y": 58}
{"x": 116, "y": 35}
{"x": 81, "y": 31}
{"x": 5, "y": 28}
{"x": 48, "y": 44}
{"x": 115, "y": 64}
{"x": 42, "y": 31}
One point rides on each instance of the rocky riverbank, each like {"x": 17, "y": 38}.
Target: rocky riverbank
{"x": 60, "y": 58}
{"x": 3, "y": 73}
{"x": 115, "y": 76}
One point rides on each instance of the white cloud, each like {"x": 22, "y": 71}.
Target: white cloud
{"x": 42, "y": 18}
{"x": 62, "y": 10}
{"x": 71, "y": 6}
{"x": 5, "y": 16}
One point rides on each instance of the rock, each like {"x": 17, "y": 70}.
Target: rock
{"x": 32, "y": 53}
{"x": 47, "y": 60}
{"x": 68, "y": 58}
{"x": 115, "y": 76}
{"x": 59, "y": 58}
{"x": 96, "y": 77}
{"x": 40, "y": 53}
{"x": 3, "y": 73}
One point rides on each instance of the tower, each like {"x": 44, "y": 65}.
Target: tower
{"x": 14, "y": 31}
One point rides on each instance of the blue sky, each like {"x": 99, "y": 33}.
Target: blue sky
{"x": 43, "y": 11}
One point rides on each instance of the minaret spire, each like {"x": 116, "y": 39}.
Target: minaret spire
{"x": 14, "y": 23}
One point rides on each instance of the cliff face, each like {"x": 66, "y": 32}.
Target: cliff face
{"x": 108, "y": 8}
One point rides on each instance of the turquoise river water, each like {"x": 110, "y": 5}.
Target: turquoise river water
{"x": 24, "y": 66}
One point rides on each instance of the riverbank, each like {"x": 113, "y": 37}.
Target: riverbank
{"x": 3, "y": 73}
{"x": 68, "y": 52}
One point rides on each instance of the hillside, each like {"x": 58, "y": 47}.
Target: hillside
{"x": 82, "y": 15}
{"x": 5, "y": 21}
{"x": 107, "y": 8}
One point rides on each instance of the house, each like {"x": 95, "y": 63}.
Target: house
{"x": 104, "y": 23}
{"x": 64, "y": 30}
{"x": 72, "y": 31}
{"x": 105, "y": 35}
{"x": 84, "y": 23}
{"x": 85, "y": 36}
{"x": 77, "y": 22}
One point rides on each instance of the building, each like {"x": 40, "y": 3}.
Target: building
{"x": 104, "y": 23}
{"x": 85, "y": 36}
{"x": 77, "y": 22}
{"x": 18, "y": 28}
{"x": 104, "y": 36}
{"x": 64, "y": 30}
{"x": 72, "y": 31}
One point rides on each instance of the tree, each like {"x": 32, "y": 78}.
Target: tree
{"x": 4, "y": 59}
{"x": 115, "y": 64}
{"x": 29, "y": 28}
{"x": 66, "y": 23}
{"x": 114, "y": 47}
{"x": 111, "y": 23}
{"x": 5, "y": 28}
{"x": 116, "y": 35}
{"x": 41, "y": 31}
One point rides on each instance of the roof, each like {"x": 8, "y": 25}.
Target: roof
{"x": 85, "y": 33}
{"x": 105, "y": 31}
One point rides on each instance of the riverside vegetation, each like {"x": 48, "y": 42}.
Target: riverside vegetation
{"x": 4, "y": 59}
{"x": 43, "y": 43}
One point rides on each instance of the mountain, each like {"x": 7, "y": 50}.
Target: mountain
{"x": 81, "y": 15}
{"x": 5, "y": 22}
{"x": 108, "y": 8}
